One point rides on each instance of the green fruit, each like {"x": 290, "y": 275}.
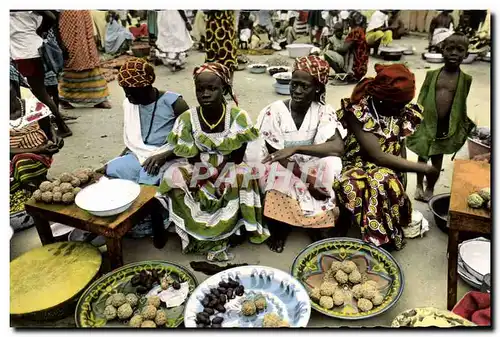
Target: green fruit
{"x": 475, "y": 201}
{"x": 485, "y": 193}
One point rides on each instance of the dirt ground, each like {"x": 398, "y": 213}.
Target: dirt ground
{"x": 98, "y": 138}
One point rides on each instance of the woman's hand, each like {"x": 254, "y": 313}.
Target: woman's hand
{"x": 58, "y": 141}
{"x": 432, "y": 175}
{"x": 153, "y": 164}
{"x": 280, "y": 155}
{"x": 49, "y": 148}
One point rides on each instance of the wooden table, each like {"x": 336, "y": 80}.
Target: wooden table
{"x": 112, "y": 228}
{"x": 468, "y": 177}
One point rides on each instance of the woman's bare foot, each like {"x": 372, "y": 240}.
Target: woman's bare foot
{"x": 66, "y": 105}
{"x": 103, "y": 105}
{"x": 64, "y": 133}
{"x": 419, "y": 193}
{"x": 276, "y": 243}
{"x": 428, "y": 194}
{"x": 68, "y": 118}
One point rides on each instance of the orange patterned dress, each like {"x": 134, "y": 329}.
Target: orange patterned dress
{"x": 375, "y": 195}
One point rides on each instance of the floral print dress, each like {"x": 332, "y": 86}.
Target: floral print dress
{"x": 375, "y": 195}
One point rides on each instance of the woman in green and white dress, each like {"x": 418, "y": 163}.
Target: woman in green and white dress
{"x": 208, "y": 190}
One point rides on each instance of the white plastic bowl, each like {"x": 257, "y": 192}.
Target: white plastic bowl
{"x": 108, "y": 197}
{"x": 282, "y": 89}
{"x": 299, "y": 50}
{"x": 434, "y": 58}
{"x": 258, "y": 68}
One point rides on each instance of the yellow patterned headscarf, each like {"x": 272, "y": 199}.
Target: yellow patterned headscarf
{"x": 136, "y": 73}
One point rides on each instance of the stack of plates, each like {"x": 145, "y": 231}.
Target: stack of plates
{"x": 474, "y": 261}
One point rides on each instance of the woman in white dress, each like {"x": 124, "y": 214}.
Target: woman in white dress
{"x": 173, "y": 38}
{"x": 300, "y": 145}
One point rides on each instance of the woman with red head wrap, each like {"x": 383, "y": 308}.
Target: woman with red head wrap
{"x": 300, "y": 145}
{"x": 378, "y": 117}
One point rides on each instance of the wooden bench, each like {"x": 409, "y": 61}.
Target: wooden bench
{"x": 468, "y": 177}
{"x": 112, "y": 228}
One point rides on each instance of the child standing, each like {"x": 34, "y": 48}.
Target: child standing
{"x": 446, "y": 126}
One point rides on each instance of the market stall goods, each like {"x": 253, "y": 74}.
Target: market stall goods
{"x": 348, "y": 278}
{"x": 248, "y": 297}
{"x": 63, "y": 189}
{"x": 429, "y": 317}
{"x": 45, "y": 282}
{"x": 480, "y": 199}
{"x": 138, "y": 295}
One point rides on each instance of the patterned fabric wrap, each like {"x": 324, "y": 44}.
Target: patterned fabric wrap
{"x": 220, "y": 42}
{"x": 374, "y": 195}
{"x": 205, "y": 216}
{"x": 77, "y": 33}
{"x": 361, "y": 52}
{"x": 136, "y": 73}
{"x": 393, "y": 83}
{"x": 223, "y": 72}
{"x": 315, "y": 66}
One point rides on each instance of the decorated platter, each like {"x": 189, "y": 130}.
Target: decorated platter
{"x": 280, "y": 294}
{"x": 429, "y": 317}
{"x": 375, "y": 265}
{"x": 90, "y": 311}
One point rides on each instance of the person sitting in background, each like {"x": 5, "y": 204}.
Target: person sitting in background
{"x": 335, "y": 42}
{"x": 149, "y": 115}
{"x": 278, "y": 40}
{"x": 33, "y": 142}
{"x": 378, "y": 117}
{"x": 331, "y": 18}
{"x": 245, "y": 26}
{"x": 290, "y": 33}
{"x": 442, "y": 27}
{"x": 378, "y": 31}
{"x": 397, "y": 26}
{"x": 118, "y": 38}
{"x": 300, "y": 135}
{"x": 355, "y": 51}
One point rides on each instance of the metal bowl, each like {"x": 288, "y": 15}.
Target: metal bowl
{"x": 282, "y": 89}
{"x": 434, "y": 57}
{"x": 439, "y": 206}
{"x": 258, "y": 68}
{"x": 299, "y": 50}
{"x": 278, "y": 69}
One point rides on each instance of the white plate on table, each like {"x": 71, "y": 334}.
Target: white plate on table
{"x": 108, "y": 197}
{"x": 476, "y": 256}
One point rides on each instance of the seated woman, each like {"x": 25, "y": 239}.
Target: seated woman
{"x": 335, "y": 44}
{"x": 209, "y": 201}
{"x": 300, "y": 146}
{"x": 351, "y": 57}
{"x": 33, "y": 142}
{"x": 378, "y": 117}
{"x": 118, "y": 38}
{"x": 397, "y": 25}
{"x": 149, "y": 115}
{"x": 378, "y": 31}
